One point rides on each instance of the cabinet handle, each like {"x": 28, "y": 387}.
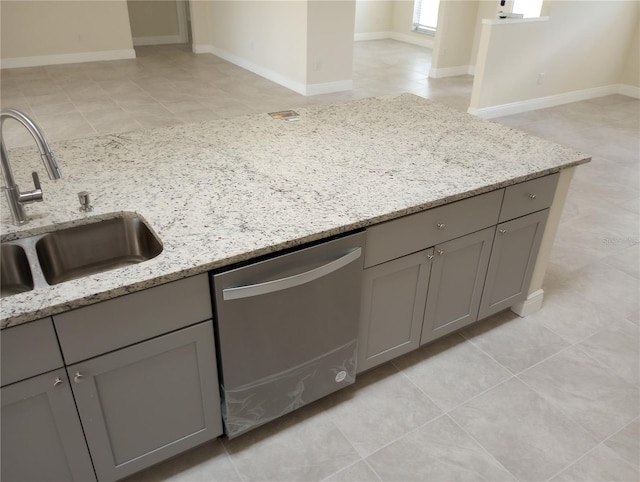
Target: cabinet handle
{"x": 57, "y": 382}
{"x": 78, "y": 377}
{"x": 441, "y": 225}
{"x": 429, "y": 257}
{"x": 440, "y": 252}
{"x": 502, "y": 231}
{"x": 532, "y": 196}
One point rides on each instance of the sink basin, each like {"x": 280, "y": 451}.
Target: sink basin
{"x": 15, "y": 274}
{"x": 79, "y": 251}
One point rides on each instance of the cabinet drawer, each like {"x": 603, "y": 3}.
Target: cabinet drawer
{"x": 418, "y": 231}
{"x": 29, "y": 350}
{"x": 528, "y": 197}
{"x": 96, "y": 329}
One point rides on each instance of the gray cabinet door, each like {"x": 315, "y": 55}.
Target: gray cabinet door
{"x": 393, "y": 299}
{"x": 142, "y": 404}
{"x": 455, "y": 288}
{"x": 42, "y": 438}
{"x": 513, "y": 259}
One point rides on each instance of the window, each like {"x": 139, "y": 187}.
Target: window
{"x": 425, "y": 16}
{"x": 528, "y": 8}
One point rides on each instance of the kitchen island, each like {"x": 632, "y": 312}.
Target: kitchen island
{"x": 225, "y": 191}
{"x": 452, "y": 211}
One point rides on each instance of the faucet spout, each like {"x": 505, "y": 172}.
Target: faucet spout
{"x": 15, "y": 197}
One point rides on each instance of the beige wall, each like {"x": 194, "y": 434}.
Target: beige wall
{"x": 454, "y": 35}
{"x": 295, "y": 43}
{"x": 201, "y": 24}
{"x": 582, "y": 46}
{"x": 330, "y": 28}
{"x": 42, "y": 28}
{"x": 486, "y": 9}
{"x": 631, "y": 69}
{"x": 153, "y": 18}
{"x": 402, "y": 21}
{"x": 373, "y": 16}
{"x": 268, "y": 34}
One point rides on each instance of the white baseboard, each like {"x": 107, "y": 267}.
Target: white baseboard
{"x": 358, "y": 37}
{"x": 40, "y": 60}
{"x": 551, "y": 101}
{"x": 300, "y": 88}
{"x": 529, "y": 306}
{"x": 259, "y": 70}
{"x": 422, "y": 40}
{"x": 450, "y": 71}
{"x": 158, "y": 40}
{"x": 629, "y": 90}
{"x": 201, "y": 49}
{"x": 329, "y": 87}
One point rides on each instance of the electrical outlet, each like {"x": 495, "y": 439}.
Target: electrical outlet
{"x": 317, "y": 65}
{"x": 541, "y": 78}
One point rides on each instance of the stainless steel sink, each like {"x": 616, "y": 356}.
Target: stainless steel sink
{"x": 93, "y": 248}
{"x": 15, "y": 274}
{"x": 75, "y": 252}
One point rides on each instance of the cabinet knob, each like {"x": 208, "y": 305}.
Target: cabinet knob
{"x": 78, "y": 377}
{"x": 429, "y": 257}
{"x": 502, "y": 231}
{"x": 441, "y": 225}
{"x": 57, "y": 382}
{"x": 440, "y": 252}
{"x": 532, "y": 196}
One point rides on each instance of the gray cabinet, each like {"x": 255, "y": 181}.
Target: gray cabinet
{"x": 455, "y": 287}
{"x": 150, "y": 401}
{"x": 41, "y": 434}
{"x": 478, "y": 267}
{"x": 513, "y": 257}
{"x": 393, "y": 300}
{"x": 141, "y": 370}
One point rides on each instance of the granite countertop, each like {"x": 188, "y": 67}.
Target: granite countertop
{"x": 224, "y": 191}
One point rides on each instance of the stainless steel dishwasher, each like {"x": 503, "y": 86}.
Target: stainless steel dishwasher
{"x": 287, "y": 330}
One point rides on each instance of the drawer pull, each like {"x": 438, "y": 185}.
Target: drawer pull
{"x": 57, "y": 382}
{"x": 502, "y": 231}
{"x": 532, "y": 196}
{"x": 441, "y": 225}
{"x": 78, "y": 377}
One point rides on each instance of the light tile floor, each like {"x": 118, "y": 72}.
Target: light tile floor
{"x": 554, "y": 396}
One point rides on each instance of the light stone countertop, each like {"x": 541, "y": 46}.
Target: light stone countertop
{"x": 225, "y": 191}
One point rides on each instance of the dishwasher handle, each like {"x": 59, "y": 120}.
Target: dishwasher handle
{"x": 238, "y": 292}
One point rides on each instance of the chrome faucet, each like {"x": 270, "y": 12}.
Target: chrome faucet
{"x": 14, "y": 196}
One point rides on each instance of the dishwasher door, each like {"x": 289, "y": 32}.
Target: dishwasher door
{"x": 287, "y": 330}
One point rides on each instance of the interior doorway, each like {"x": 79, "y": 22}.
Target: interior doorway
{"x": 159, "y": 22}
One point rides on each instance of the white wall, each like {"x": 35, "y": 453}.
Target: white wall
{"x": 51, "y": 32}
{"x": 581, "y": 50}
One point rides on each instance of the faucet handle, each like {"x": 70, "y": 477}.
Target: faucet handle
{"x": 31, "y": 196}
{"x": 36, "y": 181}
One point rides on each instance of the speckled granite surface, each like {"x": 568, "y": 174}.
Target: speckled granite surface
{"x": 228, "y": 190}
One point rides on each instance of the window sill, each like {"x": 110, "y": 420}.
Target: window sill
{"x": 424, "y": 31}
{"x": 501, "y": 21}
